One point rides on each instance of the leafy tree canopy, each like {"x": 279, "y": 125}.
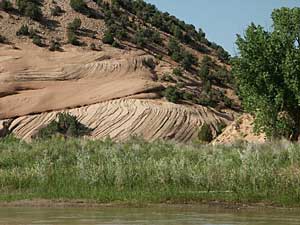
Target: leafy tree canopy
{"x": 267, "y": 73}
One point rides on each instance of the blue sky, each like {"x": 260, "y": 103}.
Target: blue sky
{"x": 221, "y": 20}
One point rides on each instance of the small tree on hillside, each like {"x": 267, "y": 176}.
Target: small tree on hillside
{"x": 6, "y": 5}
{"x": 78, "y": 5}
{"x": 108, "y": 38}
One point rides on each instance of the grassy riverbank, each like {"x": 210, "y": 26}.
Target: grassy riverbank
{"x": 141, "y": 172}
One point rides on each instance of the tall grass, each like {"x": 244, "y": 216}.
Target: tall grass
{"x": 138, "y": 171}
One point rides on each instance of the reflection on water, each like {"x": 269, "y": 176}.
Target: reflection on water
{"x": 149, "y": 216}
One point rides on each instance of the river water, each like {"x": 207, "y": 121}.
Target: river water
{"x": 150, "y": 216}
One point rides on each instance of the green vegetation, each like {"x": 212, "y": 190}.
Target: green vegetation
{"x": 108, "y": 38}
{"x": 37, "y": 40}
{"x": 30, "y": 8}
{"x": 93, "y": 47}
{"x": 23, "y": 31}
{"x": 141, "y": 172}
{"x": 66, "y": 125}
{"x": 180, "y": 55}
{"x": 72, "y": 28}
{"x": 205, "y": 134}
{"x": 54, "y": 46}
{"x": 150, "y": 63}
{"x": 3, "y": 39}
{"x": 78, "y": 5}
{"x": 144, "y": 37}
{"x": 6, "y": 5}
{"x": 74, "y": 25}
{"x": 177, "y": 71}
{"x": 267, "y": 74}
{"x": 56, "y": 11}
{"x": 172, "y": 94}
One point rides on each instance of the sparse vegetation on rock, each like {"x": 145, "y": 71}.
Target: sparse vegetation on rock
{"x": 66, "y": 125}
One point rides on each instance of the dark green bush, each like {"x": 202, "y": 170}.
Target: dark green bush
{"x": 3, "y": 39}
{"x": 93, "y": 46}
{"x": 6, "y": 5}
{"x": 149, "y": 62}
{"x": 108, "y": 38}
{"x": 205, "y": 134}
{"x": 172, "y": 94}
{"x": 54, "y": 46}
{"x": 74, "y": 25}
{"x": 23, "y": 31}
{"x": 116, "y": 44}
{"x": 66, "y": 125}
{"x": 30, "y": 8}
{"x": 188, "y": 60}
{"x": 72, "y": 38}
{"x": 177, "y": 71}
{"x": 37, "y": 41}
{"x": 56, "y": 11}
{"x": 78, "y": 5}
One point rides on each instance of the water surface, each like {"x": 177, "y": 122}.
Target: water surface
{"x": 147, "y": 216}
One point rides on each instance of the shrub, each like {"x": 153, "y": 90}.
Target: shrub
{"x": 6, "y": 5}
{"x": 23, "y": 31}
{"x": 108, "y": 38}
{"x": 93, "y": 46}
{"x": 172, "y": 94}
{"x": 205, "y": 134}
{"x": 116, "y": 44}
{"x": 72, "y": 39}
{"x": 140, "y": 39}
{"x": 56, "y": 11}
{"x": 74, "y": 25}
{"x": 3, "y": 39}
{"x": 54, "y": 46}
{"x": 37, "y": 41}
{"x": 173, "y": 47}
{"x": 149, "y": 62}
{"x": 177, "y": 72}
{"x": 33, "y": 11}
{"x": 203, "y": 72}
{"x": 30, "y": 8}
{"x": 78, "y": 5}
{"x": 188, "y": 60}
{"x": 66, "y": 125}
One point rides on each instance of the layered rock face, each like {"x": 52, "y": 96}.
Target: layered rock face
{"x": 112, "y": 92}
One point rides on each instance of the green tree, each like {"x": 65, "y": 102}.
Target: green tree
{"x": 267, "y": 73}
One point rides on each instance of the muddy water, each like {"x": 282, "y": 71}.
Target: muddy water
{"x": 150, "y": 216}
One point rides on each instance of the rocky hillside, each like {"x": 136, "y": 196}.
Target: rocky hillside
{"x": 122, "y": 67}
